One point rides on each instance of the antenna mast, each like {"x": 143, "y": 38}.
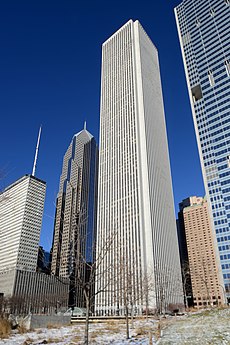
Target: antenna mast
{"x": 36, "y": 152}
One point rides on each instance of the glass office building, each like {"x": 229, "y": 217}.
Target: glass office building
{"x": 204, "y": 33}
{"x": 76, "y": 212}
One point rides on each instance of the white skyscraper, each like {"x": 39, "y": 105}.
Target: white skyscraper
{"x": 135, "y": 203}
{"x": 21, "y": 211}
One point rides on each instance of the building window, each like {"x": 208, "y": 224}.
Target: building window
{"x": 196, "y": 93}
{"x": 198, "y": 23}
{"x": 212, "y": 12}
{"x": 211, "y": 78}
{"x": 227, "y": 67}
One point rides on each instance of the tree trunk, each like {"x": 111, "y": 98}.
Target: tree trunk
{"x": 127, "y": 320}
{"x": 132, "y": 323}
{"x": 86, "y": 336}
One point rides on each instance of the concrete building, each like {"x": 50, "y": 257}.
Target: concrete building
{"x": 34, "y": 292}
{"x": 204, "y": 31}
{"x": 21, "y": 211}
{"x": 202, "y": 255}
{"x": 76, "y": 212}
{"x": 135, "y": 206}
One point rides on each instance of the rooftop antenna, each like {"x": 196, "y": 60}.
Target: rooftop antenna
{"x": 85, "y": 125}
{"x": 36, "y": 152}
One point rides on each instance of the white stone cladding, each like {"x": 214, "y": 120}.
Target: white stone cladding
{"x": 135, "y": 203}
{"x": 21, "y": 211}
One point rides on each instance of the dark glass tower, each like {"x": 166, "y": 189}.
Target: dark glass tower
{"x": 76, "y": 213}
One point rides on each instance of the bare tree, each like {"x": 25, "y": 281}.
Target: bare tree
{"x": 186, "y": 281}
{"x": 204, "y": 273}
{"x": 87, "y": 275}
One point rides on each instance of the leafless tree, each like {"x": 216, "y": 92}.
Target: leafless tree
{"x": 204, "y": 272}
{"x": 186, "y": 281}
{"x": 87, "y": 275}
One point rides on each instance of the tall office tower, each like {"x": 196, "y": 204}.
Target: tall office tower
{"x": 76, "y": 212}
{"x": 135, "y": 205}
{"x": 203, "y": 260}
{"x": 204, "y": 30}
{"x": 21, "y": 211}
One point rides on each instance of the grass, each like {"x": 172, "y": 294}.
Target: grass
{"x": 53, "y": 326}
{"x": 76, "y": 340}
{"x": 141, "y": 330}
{"x": 5, "y": 328}
{"x": 53, "y": 340}
{"x": 22, "y": 329}
{"x": 28, "y": 341}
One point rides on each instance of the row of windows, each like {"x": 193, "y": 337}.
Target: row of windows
{"x": 218, "y": 89}
{"x": 224, "y": 238}
{"x": 220, "y": 145}
{"x": 217, "y": 205}
{"x": 225, "y": 257}
{"x": 221, "y": 221}
{"x": 223, "y": 183}
{"x": 213, "y": 191}
{"x": 217, "y": 99}
{"x": 218, "y": 214}
{"x": 225, "y": 266}
{"x": 222, "y": 230}
{"x": 226, "y": 247}
{"x": 226, "y": 275}
{"x": 227, "y": 190}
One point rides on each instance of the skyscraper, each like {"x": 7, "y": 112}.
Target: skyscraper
{"x": 135, "y": 204}
{"x": 76, "y": 211}
{"x": 21, "y": 211}
{"x": 204, "y": 30}
{"x": 202, "y": 262}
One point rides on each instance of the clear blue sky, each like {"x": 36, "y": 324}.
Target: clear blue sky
{"x": 50, "y": 60}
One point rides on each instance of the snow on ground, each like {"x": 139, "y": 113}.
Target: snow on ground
{"x": 113, "y": 332}
{"x": 207, "y": 327}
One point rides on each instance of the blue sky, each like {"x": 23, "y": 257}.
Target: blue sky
{"x": 50, "y": 60}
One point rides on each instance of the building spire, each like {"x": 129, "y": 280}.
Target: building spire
{"x": 85, "y": 125}
{"x": 36, "y": 152}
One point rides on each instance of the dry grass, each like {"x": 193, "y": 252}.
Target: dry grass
{"x": 22, "y": 329}
{"x": 113, "y": 327}
{"x": 141, "y": 330}
{"x": 76, "y": 340}
{"x": 28, "y": 341}
{"x": 5, "y": 328}
{"x": 53, "y": 326}
{"x": 39, "y": 331}
{"x": 93, "y": 336}
{"x": 53, "y": 340}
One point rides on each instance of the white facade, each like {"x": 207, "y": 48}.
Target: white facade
{"x": 135, "y": 206}
{"x": 21, "y": 211}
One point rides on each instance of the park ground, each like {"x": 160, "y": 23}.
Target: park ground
{"x": 204, "y": 327}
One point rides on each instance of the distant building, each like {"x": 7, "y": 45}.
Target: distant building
{"x": 44, "y": 261}
{"x": 135, "y": 203}
{"x": 76, "y": 213}
{"x": 21, "y": 211}
{"x": 199, "y": 253}
{"x": 204, "y": 31}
